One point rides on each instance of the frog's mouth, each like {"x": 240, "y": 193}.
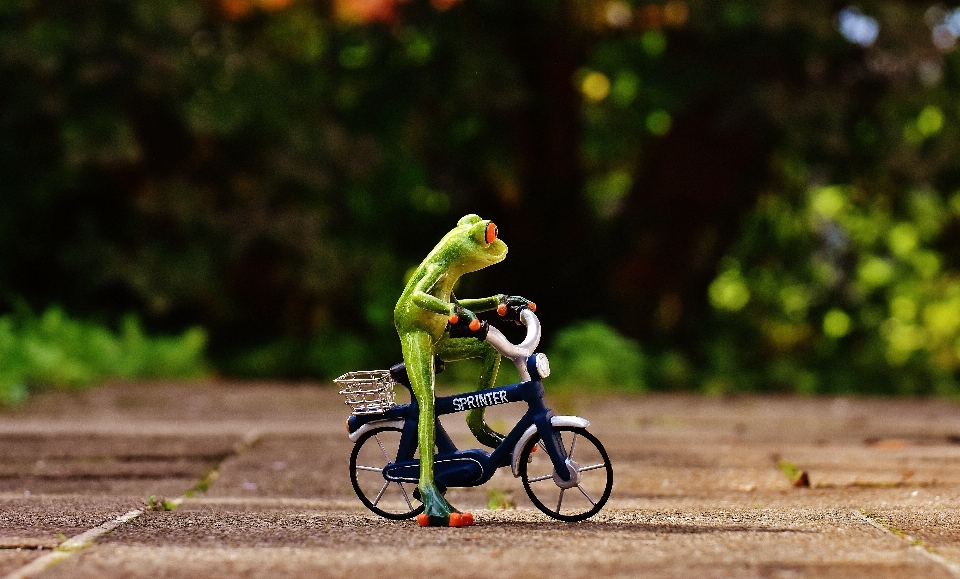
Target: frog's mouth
{"x": 493, "y": 253}
{"x": 497, "y": 251}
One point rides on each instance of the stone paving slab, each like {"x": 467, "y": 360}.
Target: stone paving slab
{"x": 519, "y": 543}
{"x": 305, "y": 465}
{"x": 138, "y": 464}
{"x": 937, "y": 529}
{"x": 31, "y": 524}
{"x": 697, "y": 492}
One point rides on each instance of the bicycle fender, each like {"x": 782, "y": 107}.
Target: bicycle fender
{"x": 528, "y": 433}
{"x": 355, "y": 435}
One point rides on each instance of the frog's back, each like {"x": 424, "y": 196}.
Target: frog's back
{"x": 407, "y": 315}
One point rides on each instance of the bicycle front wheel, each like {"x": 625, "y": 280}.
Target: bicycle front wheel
{"x": 371, "y": 453}
{"x": 594, "y": 474}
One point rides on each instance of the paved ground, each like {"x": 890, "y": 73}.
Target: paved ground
{"x": 697, "y": 490}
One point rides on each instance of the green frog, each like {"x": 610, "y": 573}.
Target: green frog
{"x": 421, "y": 315}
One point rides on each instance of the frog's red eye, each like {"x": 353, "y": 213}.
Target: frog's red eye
{"x": 491, "y": 235}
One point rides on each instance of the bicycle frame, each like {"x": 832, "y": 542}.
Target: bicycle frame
{"x": 378, "y": 426}
{"x": 471, "y": 467}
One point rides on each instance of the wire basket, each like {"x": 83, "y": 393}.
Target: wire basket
{"x": 368, "y": 391}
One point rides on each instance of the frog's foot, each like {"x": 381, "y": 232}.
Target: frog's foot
{"x": 453, "y": 520}
{"x": 437, "y": 512}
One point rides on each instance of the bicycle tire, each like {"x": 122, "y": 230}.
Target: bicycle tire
{"x": 400, "y": 502}
{"x": 541, "y": 486}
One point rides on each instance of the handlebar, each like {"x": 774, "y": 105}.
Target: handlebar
{"x": 517, "y": 353}
{"x": 513, "y": 351}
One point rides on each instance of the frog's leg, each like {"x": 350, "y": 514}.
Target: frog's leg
{"x": 451, "y": 349}
{"x": 418, "y": 356}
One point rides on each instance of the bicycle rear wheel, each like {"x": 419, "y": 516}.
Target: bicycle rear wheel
{"x": 371, "y": 453}
{"x": 593, "y": 471}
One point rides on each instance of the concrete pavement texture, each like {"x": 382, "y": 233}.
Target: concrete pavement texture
{"x": 254, "y": 479}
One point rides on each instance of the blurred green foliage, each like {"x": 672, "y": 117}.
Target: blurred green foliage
{"x": 870, "y": 306}
{"x": 762, "y": 194}
{"x": 324, "y": 355}
{"x": 54, "y": 350}
{"x": 591, "y": 355}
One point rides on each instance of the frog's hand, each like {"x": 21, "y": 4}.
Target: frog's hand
{"x": 509, "y": 307}
{"x": 462, "y": 317}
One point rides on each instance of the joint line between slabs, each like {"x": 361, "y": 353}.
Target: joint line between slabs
{"x": 72, "y": 545}
{"x": 951, "y": 566}
{"x": 85, "y": 539}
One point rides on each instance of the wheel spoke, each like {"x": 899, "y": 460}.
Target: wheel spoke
{"x": 589, "y": 498}
{"x": 592, "y": 467}
{"x": 405, "y": 497}
{"x": 382, "y": 449}
{"x": 380, "y": 494}
{"x": 376, "y": 451}
{"x": 592, "y": 457}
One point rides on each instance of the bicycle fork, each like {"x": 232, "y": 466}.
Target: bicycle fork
{"x": 565, "y": 470}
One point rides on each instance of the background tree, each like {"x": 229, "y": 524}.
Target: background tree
{"x": 270, "y": 169}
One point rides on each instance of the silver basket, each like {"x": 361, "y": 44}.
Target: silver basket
{"x": 368, "y": 391}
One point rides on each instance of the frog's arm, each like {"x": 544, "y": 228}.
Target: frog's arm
{"x": 497, "y": 302}
{"x": 482, "y": 304}
{"x": 424, "y": 300}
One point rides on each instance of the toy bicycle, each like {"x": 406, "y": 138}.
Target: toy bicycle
{"x": 569, "y": 479}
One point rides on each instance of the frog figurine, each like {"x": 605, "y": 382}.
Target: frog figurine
{"x": 421, "y": 315}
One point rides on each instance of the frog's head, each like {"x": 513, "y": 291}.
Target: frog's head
{"x": 472, "y": 245}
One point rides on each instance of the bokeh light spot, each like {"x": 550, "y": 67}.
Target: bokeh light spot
{"x": 875, "y": 272}
{"x": 903, "y": 239}
{"x": 836, "y": 323}
{"x": 675, "y": 13}
{"x": 857, "y": 27}
{"x": 430, "y": 200}
{"x": 829, "y": 201}
{"x": 903, "y": 309}
{"x": 607, "y": 193}
{"x": 625, "y": 88}
{"x": 729, "y": 291}
{"x": 355, "y": 56}
{"x": 619, "y": 14}
{"x": 930, "y": 121}
{"x": 595, "y": 86}
{"x": 659, "y": 122}
{"x": 419, "y": 48}
{"x": 654, "y": 42}
{"x": 926, "y": 263}
{"x": 955, "y": 202}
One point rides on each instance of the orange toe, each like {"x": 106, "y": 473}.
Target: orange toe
{"x": 423, "y": 520}
{"x": 456, "y": 520}
{"x": 466, "y": 519}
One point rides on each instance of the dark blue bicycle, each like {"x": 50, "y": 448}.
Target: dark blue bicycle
{"x": 569, "y": 479}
